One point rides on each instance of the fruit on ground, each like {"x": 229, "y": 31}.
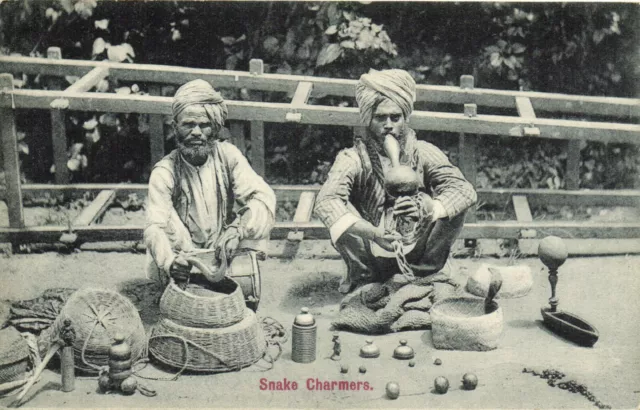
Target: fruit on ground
{"x": 104, "y": 383}
{"x": 469, "y": 381}
{"x": 441, "y": 384}
{"x": 437, "y": 362}
{"x": 129, "y": 385}
{"x": 393, "y": 390}
{"x": 363, "y": 369}
{"x": 344, "y": 368}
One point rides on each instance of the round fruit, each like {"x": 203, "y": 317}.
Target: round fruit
{"x": 441, "y": 384}
{"x": 437, "y": 362}
{"x": 104, "y": 383}
{"x": 552, "y": 252}
{"x": 393, "y": 390}
{"x": 363, "y": 369}
{"x": 469, "y": 381}
{"x": 129, "y": 385}
{"x": 344, "y": 368}
{"x": 412, "y": 363}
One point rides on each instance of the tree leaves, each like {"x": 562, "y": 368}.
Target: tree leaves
{"x": 99, "y": 45}
{"x": 331, "y": 30}
{"x": 120, "y": 53}
{"x": 328, "y": 54}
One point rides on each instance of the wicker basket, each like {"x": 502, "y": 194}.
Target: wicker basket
{"x": 517, "y": 281}
{"x": 209, "y": 350}
{"x": 461, "y": 324}
{"x": 199, "y": 307}
{"x": 14, "y": 355}
{"x": 97, "y": 315}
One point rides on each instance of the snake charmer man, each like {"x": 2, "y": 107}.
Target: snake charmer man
{"x": 360, "y": 212}
{"x": 193, "y": 190}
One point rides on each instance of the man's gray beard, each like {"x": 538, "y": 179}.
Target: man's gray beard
{"x": 196, "y": 155}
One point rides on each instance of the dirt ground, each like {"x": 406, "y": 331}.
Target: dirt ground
{"x": 602, "y": 290}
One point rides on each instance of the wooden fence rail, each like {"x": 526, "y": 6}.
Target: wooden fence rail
{"x": 468, "y": 123}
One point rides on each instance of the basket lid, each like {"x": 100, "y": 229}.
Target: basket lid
{"x": 304, "y": 318}
{"x": 13, "y": 347}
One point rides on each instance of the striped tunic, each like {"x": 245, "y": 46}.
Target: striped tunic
{"x": 352, "y": 189}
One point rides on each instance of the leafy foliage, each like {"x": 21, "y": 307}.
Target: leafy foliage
{"x": 586, "y": 48}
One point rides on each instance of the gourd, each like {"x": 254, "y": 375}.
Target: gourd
{"x": 401, "y": 180}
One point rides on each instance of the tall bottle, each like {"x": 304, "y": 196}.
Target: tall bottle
{"x": 304, "y": 336}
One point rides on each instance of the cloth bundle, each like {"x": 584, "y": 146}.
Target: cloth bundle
{"x": 38, "y": 314}
{"x": 392, "y": 306}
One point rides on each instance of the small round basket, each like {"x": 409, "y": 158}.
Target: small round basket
{"x": 14, "y": 355}
{"x": 202, "y": 306}
{"x": 209, "y": 350}
{"x": 461, "y": 324}
{"x": 97, "y": 315}
{"x": 517, "y": 281}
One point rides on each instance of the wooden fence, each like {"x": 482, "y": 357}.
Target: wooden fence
{"x": 468, "y": 123}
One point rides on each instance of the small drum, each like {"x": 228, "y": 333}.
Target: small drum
{"x": 245, "y": 271}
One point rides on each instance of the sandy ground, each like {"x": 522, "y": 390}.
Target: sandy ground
{"x": 603, "y": 290}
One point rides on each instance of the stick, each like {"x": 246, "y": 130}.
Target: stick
{"x": 36, "y": 374}
{"x": 12, "y": 385}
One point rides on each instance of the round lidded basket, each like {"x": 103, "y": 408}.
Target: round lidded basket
{"x": 461, "y": 324}
{"x": 97, "y": 316}
{"x": 204, "y": 305}
{"x": 517, "y": 281}
{"x": 209, "y": 350}
{"x": 14, "y": 355}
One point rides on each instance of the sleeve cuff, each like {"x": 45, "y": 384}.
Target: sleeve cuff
{"x": 341, "y": 225}
{"x": 439, "y": 211}
{"x": 168, "y": 263}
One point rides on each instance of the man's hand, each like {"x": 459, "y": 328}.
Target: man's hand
{"x": 180, "y": 269}
{"x": 385, "y": 240}
{"x": 256, "y": 221}
{"x": 230, "y": 239}
{"x": 406, "y": 206}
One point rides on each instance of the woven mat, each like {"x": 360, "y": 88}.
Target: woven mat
{"x": 392, "y": 306}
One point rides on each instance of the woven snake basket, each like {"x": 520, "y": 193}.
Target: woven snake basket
{"x": 14, "y": 355}
{"x": 461, "y": 324}
{"x": 97, "y": 315}
{"x": 209, "y": 350}
{"x": 204, "y": 305}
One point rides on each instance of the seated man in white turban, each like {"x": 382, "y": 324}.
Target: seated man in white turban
{"x": 193, "y": 190}
{"x": 364, "y": 219}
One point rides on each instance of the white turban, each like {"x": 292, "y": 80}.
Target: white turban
{"x": 395, "y": 85}
{"x": 202, "y": 93}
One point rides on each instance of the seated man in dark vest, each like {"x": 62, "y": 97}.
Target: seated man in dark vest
{"x": 193, "y": 190}
{"x": 379, "y": 234}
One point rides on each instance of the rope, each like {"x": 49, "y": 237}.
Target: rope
{"x": 405, "y": 269}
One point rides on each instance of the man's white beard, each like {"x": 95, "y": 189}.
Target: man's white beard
{"x": 196, "y": 155}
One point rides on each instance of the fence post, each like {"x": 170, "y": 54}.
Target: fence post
{"x": 572, "y": 177}
{"x": 58, "y": 127}
{"x": 10, "y": 156}
{"x": 156, "y": 130}
{"x": 467, "y": 146}
{"x": 256, "y": 131}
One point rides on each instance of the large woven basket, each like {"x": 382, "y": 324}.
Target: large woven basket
{"x": 209, "y": 350}
{"x": 461, "y": 324}
{"x": 97, "y": 315}
{"x": 199, "y": 307}
{"x": 14, "y": 355}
